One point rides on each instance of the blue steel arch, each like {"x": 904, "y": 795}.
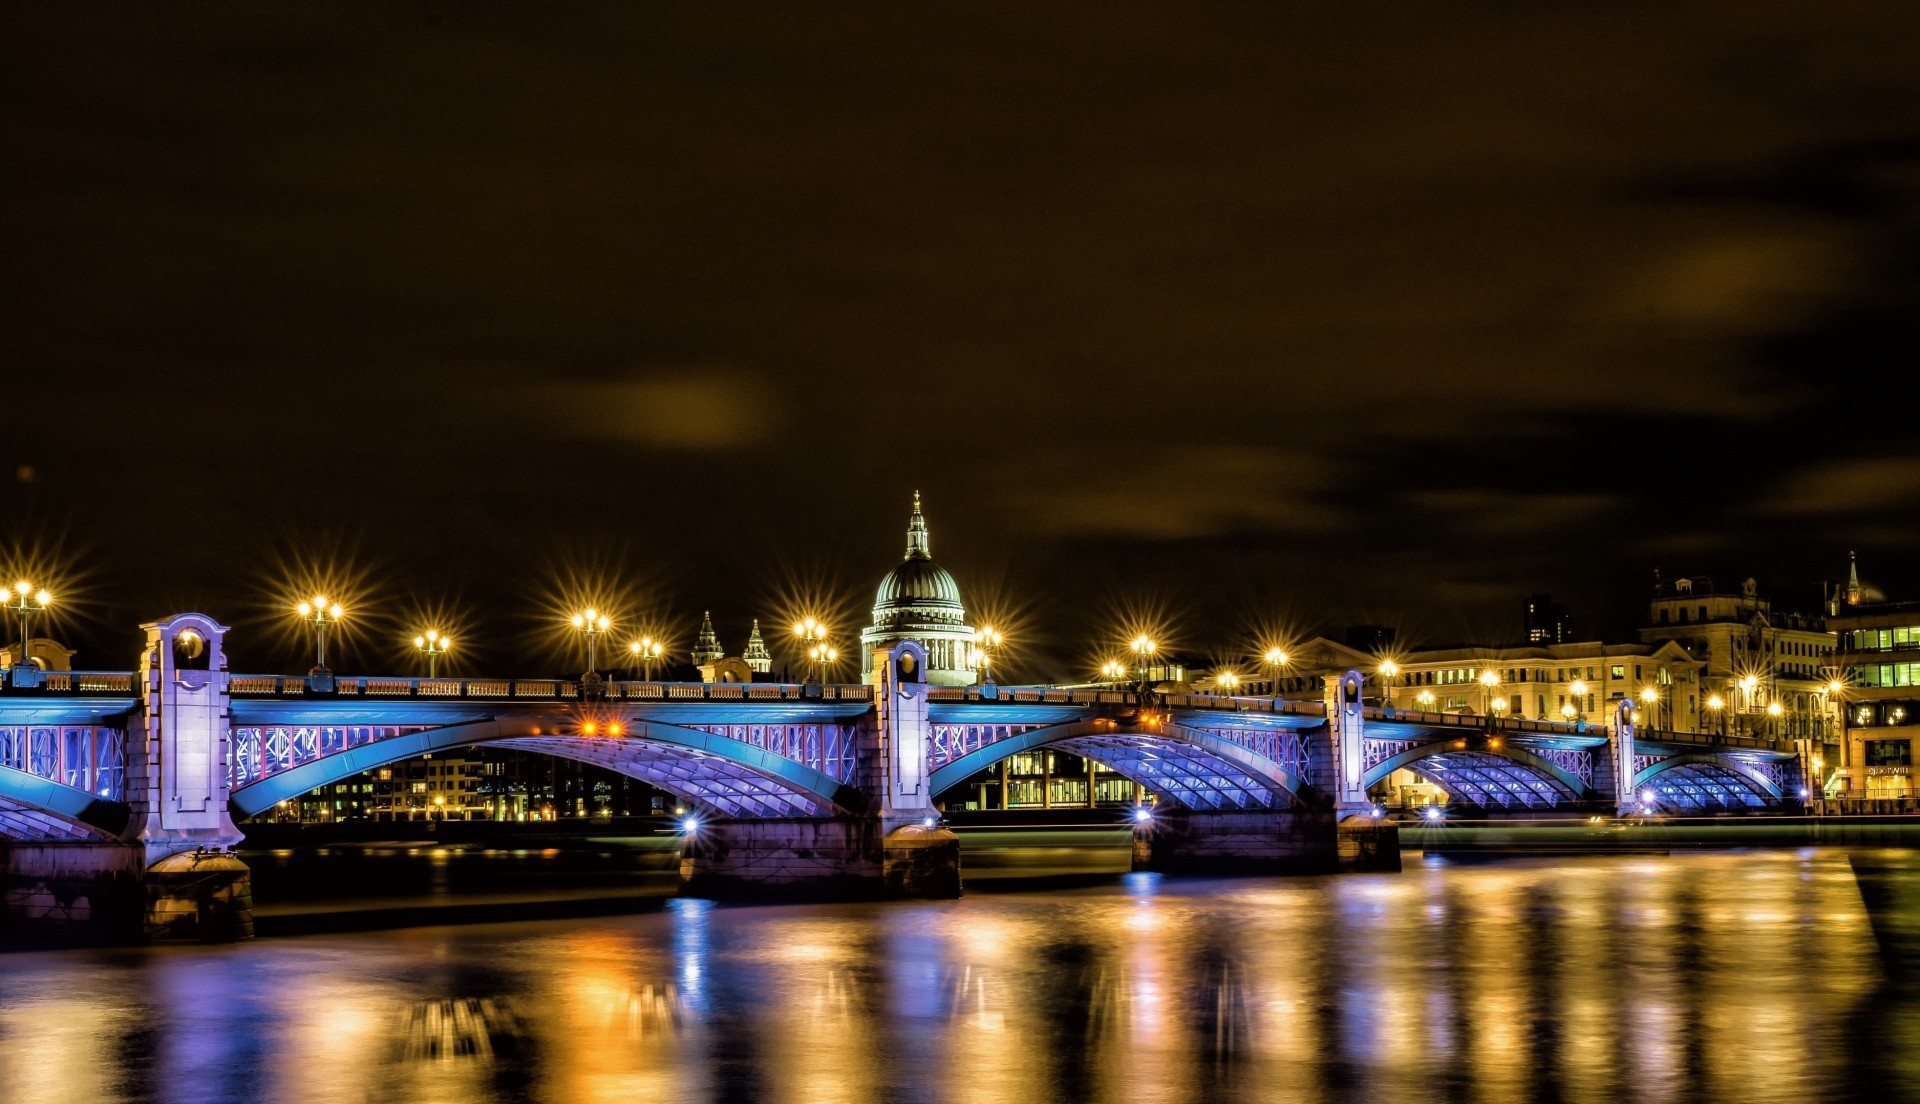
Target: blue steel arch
{"x": 32, "y": 807}
{"x": 710, "y": 771}
{"x": 1759, "y": 784}
{"x": 1517, "y": 755}
{"x": 1182, "y": 764}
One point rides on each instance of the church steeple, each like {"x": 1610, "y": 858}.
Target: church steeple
{"x": 917, "y": 533}
{"x": 1853, "y": 580}
{"x": 757, "y": 657}
{"x": 706, "y": 648}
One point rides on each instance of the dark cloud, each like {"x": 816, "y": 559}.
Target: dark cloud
{"x": 1353, "y": 309}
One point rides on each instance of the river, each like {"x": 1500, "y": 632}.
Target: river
{"x": 1716, "y": 976}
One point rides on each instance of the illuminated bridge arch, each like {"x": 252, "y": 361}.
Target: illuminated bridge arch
{"x": 716, "y": 773}
{"x": 1506, "y": 778}
{"x": 1189, "y": 767}
{"x": 35, "y": 808}
{"x": 1703, "y": 783}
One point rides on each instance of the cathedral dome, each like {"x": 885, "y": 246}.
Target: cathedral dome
{"x": 917, "y": 589}
{"x": 919, "y": 601}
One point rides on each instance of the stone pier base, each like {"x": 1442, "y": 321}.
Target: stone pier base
{"x": 819, "y": 857}
{"x": 199, "y": 896}
{"x": 88, "y": 892}
{"x": 1264, "y": 841}
{"x": 72, "y": 890}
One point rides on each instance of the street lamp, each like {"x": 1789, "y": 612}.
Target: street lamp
{"x": 812, "y": 634}
{"x": 1489, "y": 679}
{"x": 645, "y": 651}
{"x": 25, "y": 601}
{"x": 1578, "y": 690}
{"x": 1143, "y": 649}
{"x": 320, "y": 613}
{"x": 1113, "y": 671}
{"x": 432, "y": 645}
{"x": 1774, "y": 711}
{"x": 985, "y": 643}
{"x": 1568, "y": 712}
{"x": 821, "y": 655}
{"x": 1650, "y": 697}
{"x": 1275, "y": 659}
{"x": 1498, "y": 705}
{"x": 1228, "y": 680}
{"x": 1717, "y": 705}
{"x": 591, "y": 623}
{"x": 1424, "y": 699}
{"x": 1387, "y": 670}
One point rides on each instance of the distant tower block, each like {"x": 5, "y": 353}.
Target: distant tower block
{"x": 759, "y": 660}
{"x": 706, "y": 647}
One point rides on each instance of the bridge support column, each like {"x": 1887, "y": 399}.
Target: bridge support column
{"x": 894, "y": 847}
{"x": 1621, "y": 748}
{"x": 1363, "y": 842}
{"x": 179, "y": 779}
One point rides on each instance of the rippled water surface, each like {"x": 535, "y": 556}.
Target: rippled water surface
{"x": 1774, "y": 975}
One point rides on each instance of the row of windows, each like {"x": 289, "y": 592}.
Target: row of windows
{"x": 1888, "y": 674}
{"x": 1883, "y": 640}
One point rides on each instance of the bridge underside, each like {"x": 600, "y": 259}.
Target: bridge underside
{"x": 1705, "y": 788}
{"x": 20, "y": 821}
{"x": 716, "y": 774}
{"x": 710, "y": 782}
{"x": 1494, "y": 783}
{"x": 1182, "y": 773}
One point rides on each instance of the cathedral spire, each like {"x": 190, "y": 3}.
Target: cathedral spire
{"x": 757, "y": 657}
{"x": 1853, "y": 580}
{"x": 917, "y": 533}
{"x": 706, "y": 648}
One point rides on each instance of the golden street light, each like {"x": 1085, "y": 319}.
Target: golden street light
{"x": 433, "y": 645}
{"x": 646, "y": 651}
{"x": 1568, "y": 712}
{"x": 320, "y": 613}
{"x": 591, "y": 623}
{"x": 813, "y": 635}
{"x": 1650, "y": 696}
{"x": 25, "y": 601}
{"x": 1143, "y": 647}
{"x": 985, "y": 642}
{"x": 1229, "y": 680}
{"x": 1425, "y": 700}
{"x": 1113, "y": 671}
{"x": 1275, "y": 659}
{"x": 1489, "y": 679}
{"x": 1387, "y": 669}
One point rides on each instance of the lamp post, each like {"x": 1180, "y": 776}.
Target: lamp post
{"x": 25, "y": 601}
{"x": 591, "y": 623}
{"x": 1748, "y": 686}
{"x": 813, "y": 636}
{"x": 1424, "y": 699}
{"x": 1229, "y": 681}
{"x": 1143, "y": 649}
{"x": 1113, "y": 671}
{"x": 645, "y": 651}
{"x": 1489, "y": 680}
{"x": 1717, "y": 705}
{"x": 1275, "y": 659}
{"x": 1650, "y": 697}
{"x": 985, "y": 643}
{"x": 820, "y": 656}
{"x": 320, "y": 613}
{"x": 1577, "y": 690}
{"x": 1774, "y": 712}
{"x": 1387, "y": 670}
{"x": 433, "y": 645}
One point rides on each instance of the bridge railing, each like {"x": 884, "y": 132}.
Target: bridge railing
{"x": 368, "y": 686}
{"x": 75, "y": 682}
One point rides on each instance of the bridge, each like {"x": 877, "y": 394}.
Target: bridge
{"x": 126, "y": 788}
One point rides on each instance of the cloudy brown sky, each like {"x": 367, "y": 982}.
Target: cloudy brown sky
{"x": 1238, "y": 313}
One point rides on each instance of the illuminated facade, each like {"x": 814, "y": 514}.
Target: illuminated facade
{"x": 919, "y": 601}
{"x": 1879, "y": 651}
{"x": 1755, "y": 656}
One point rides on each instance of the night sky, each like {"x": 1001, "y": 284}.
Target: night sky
{"x": 1220, "y": 318}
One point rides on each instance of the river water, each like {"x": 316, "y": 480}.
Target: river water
{"x": 1754, "y": 975}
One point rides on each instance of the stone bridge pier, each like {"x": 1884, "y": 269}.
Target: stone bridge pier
{"x": 158, "y": 863}
{"x": 889, "y": 842}
{"x": 1325, "y": 825}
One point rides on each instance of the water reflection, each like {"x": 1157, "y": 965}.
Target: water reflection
{"x": 1703, "y": 977}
